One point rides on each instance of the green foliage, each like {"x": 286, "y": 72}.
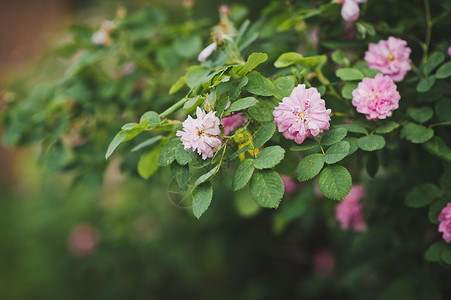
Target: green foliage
{"x": 243, "y": 174}
{"x": 241, "y": 104}
{"x": 416, "y": 133}
{"x": 444, "y": 71}
{"x": 337, "y": 152}
{"x": 310, "y": 166}
{"x": 371, "y": 142}
{"x": 259, "y": 85}
{"x": 269, "y": 157}
{"x": 266, "y": 188}
{"x": 333, "y": 136}
{"x": 335, "y": 182}
{"x": 434, "y": 60}
{"x": 422, "y": 195}
{"x": 202, "y": 196}
{"x": 349, "y": 74}
{"x": 148, "y": 162}
{"x": 422, "y": 114}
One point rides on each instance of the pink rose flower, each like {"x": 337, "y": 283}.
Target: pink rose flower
{"x": 391, "y": 57}
{"x": 289, "y": 184}
{"x": 349, "y": 212}
{"x": 376, "y": 97}
{"x": 232, "y": 123}
{"x": 350, "y": 10}
{"x": 302, "y": 114}
{"x": 449, "y": 51}
{"x": 83, "y": 240}
{"x": 204, "y": 54}
{"x": 445, "y": 223}
{"x": 323, "y": 263}
{"x": 201, "y": 134}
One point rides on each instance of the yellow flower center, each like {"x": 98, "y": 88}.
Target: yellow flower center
{"x": 390, "y": 57}
{"x": 301, "y": 115}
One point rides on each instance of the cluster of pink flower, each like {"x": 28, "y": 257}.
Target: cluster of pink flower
{"x": 349, "y": 211}
{"x": 445, "y": 223}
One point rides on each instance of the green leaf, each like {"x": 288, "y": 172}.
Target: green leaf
{"x": 243, "y": 174}
{"x": 148, "y": 163}
{"x": 269, "y": 157}
{"x": 333, "y": 136}
{"x": 202, "y": 196}
{"x": 183, "y": 156}
{"x": 154, "y": 118}
{"x": 386, "y": 126}
{"x": 283, "y": 86}
{"x": 422, "y": 195}
{"x": 433, "y": 254}
{"x": 207, "y": 176}
{"x": 348, "y": 74}
{"x": 191, "y": 104}
{"x": 262, "y": 111}
{"x": 309, "y": 166}
{"x": 312, "y": 62}
{"x": 435, "y": 209}
{"x": 426, "y": 84}
{"x": 180, "y": 175}
{"x": 259, "y": 85}
{"x": 353, "y": 144}
{"x": 339, "y": 57}
{"x": 417, "y": 134}
{"x": 439, "y": 148}
{"x": 353, "y": 128}
{"x": 444, "y": 71}
{"x": 177, "y": 85}
{"x": 241, "y": 104}
{"x": 337, "y": 152}
{"x": 168, "y": 153}
{"x": 147, "y": 143}
{"x": 263, "y": 135}
{"x": 422, "y": 114}
{"x": 115, "y": 142}
{"x": 371, "y": 142}
{"x": 287, "y": 59}
{"x": 434, "y": 60}
{"x": 306, "y": 145}
{"x": 252, "y": 62}
{"x": 195, "y": 75}
{"x": 335, "y": 182}
{"x": 266, "y": 188}
{"x": 347, "y": 89}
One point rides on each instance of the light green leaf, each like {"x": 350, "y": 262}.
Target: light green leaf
{"x": 259, "y": 85}
{"x": 154, "y": 118}
{"x": 207, "y": 176}
{"x": 195, "y": 75}
{"x": 422, "y": 195}
{"x": 309, "y": 166}
{"x": 371, "y": 142}
{"x": 426, "y": 84}
{"x": 444, "y": 71}
{"x": 335, "y": 182}
{"x": 333, "y": 136}
{"x": 287, "y": 59}
{"x": 243, "y": 174}
{"x": 241, "y": 104}
{"x": 180, "y": 175}
{"x": 347, "y": 89}
{"x": 421, "y": 114}
{"x": 417, "y": 134}
{"x": 252, "y": 62}
{"x": 266, "y": 188}
{"x": 263, "y": 135}
{"x": 339, "y": 57}
{"x": 202, "y": 196}
{"x": 115, "y": 142}
{"x": 168, "y": 153}
{"x": 434, "y": 60}
{"x": 349, "y": 74}
{"x": 269, "y": 157}
{"x": 191, "y": 104}
{"x": 387, "y": 126}
{"x": 148, "y": 162}
{"x": 337, "y": 152}
{"x": 283, "y": 86}
{"x": 177, "y": 85}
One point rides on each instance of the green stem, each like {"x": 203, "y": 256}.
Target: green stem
{"x": 427, "y": 39}
{"x": 174, "y": 107}
{"x": 440, "y": 124}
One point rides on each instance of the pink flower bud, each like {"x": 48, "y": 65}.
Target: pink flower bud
{"x": 204, "y": 54}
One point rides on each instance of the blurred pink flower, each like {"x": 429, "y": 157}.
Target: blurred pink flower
{"x": 302, "y": 114}
{"x": 289, "y": 184}
{"x": 201, "y": 134}
{"x": 224, "y": 10}
{"x": 445, "y": 223}
{"x": 349, "y": 211}
{"x": 376, "y": 97}
{"x": 232, "y": 123}
{"x": 391, "y": 57}
{"x": 449, "y": 51}
{"x": 350, "y": 10}
{"x": 204, "y": 54}
{"x": 323, "y": 263}
{"x": 83, "y": 240}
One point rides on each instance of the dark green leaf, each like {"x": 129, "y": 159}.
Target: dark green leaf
{"x": 434, "y": 60}
{"x": 202, "y": 196}
{"x": 371, "y": 142}
{"x": 439, "y": 148}
{"x": 417, "y": 134}
{"x": 444, "y": 71}
{"x": 147, "y": 143}
{"x": 243, "y": 174}
{"x": 241, "y": 104}
{"x": 422, "y": 195}
{"x": 387, "y": 126}
{"x": 335, "y": 182}
{"x": 269, "y": 157}
{"x": 353, "y": 144}
{"x": 180, "y": 175}
{"x": 168, "y": 153}
{"x": 259, "y": 85}
{"x": 422, "y": 114}
{"x": 262, "y": 111}
{"x": 337, "y": 152}
{"x": 306, "y": 145}
{"x": 333, "y": 136}
{"x": 352, "y": 128}
{"x": 263, "y": 135}
{"x": 309, "y": 166}
{"x": 207, "y": 176}
{"x": 266, "y": 188}
{"x": 426, "y": 84}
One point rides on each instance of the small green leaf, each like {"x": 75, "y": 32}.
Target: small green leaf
{"x": 168, "y": 153}
{"x": 309, "y": 166}
{"x": 191, "y": 104}
{"x": 434, "y": 60}
{"x": 422, "y": 114}
{"x": 306, "y": 145}
{"x": 337, "y": 152}
{"x": 349, "y": 74}
{"x": 353, "y": 144}
{"x": 207, "y": 176}
{"x": 283, "y": 86}
{"x": 352, "y": 128}
{"x": 434, "y": 251}
{"x": 147, "y": 143}
{"x": 347, "y": 89}
{"x": 252, "y": 62}
{"x": 177, "y": 85}
{"x": 241, "y": 104}
{"x": 417, "y": 134}
{"x": 115, "y": 142}
{"x": 422, "y": 195}
{"x": 180, "y": 175}
{"x": 154, "y": 118}
{"x": 266, "y": 188}
{"x": 148, "y": 163}
{"x": 269, "y": 157}
{"x": 262, "y": 111}
{"x": 195, "y": 75}
{"x": 386, "y": 126}
{"x": 243, "y": 174}
{"x": 183, "y": 156}
{"x": 287, "y": 59}
{"x": 339, "y": 57}
{"x": 426, "y": 84}
{"x": 335, "y": 182}
{"x": 259, "y": 85}
{"x": 444, "y": 71}
{"x": 202, "y": 196}
{"x": 263, "y": 135}
{"x": 371, "y": 142}
{"x": 333, "y": 136}
{"x": 439, "y": 148}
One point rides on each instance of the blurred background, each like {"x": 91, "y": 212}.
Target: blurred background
{"x": 73, "y": 226}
